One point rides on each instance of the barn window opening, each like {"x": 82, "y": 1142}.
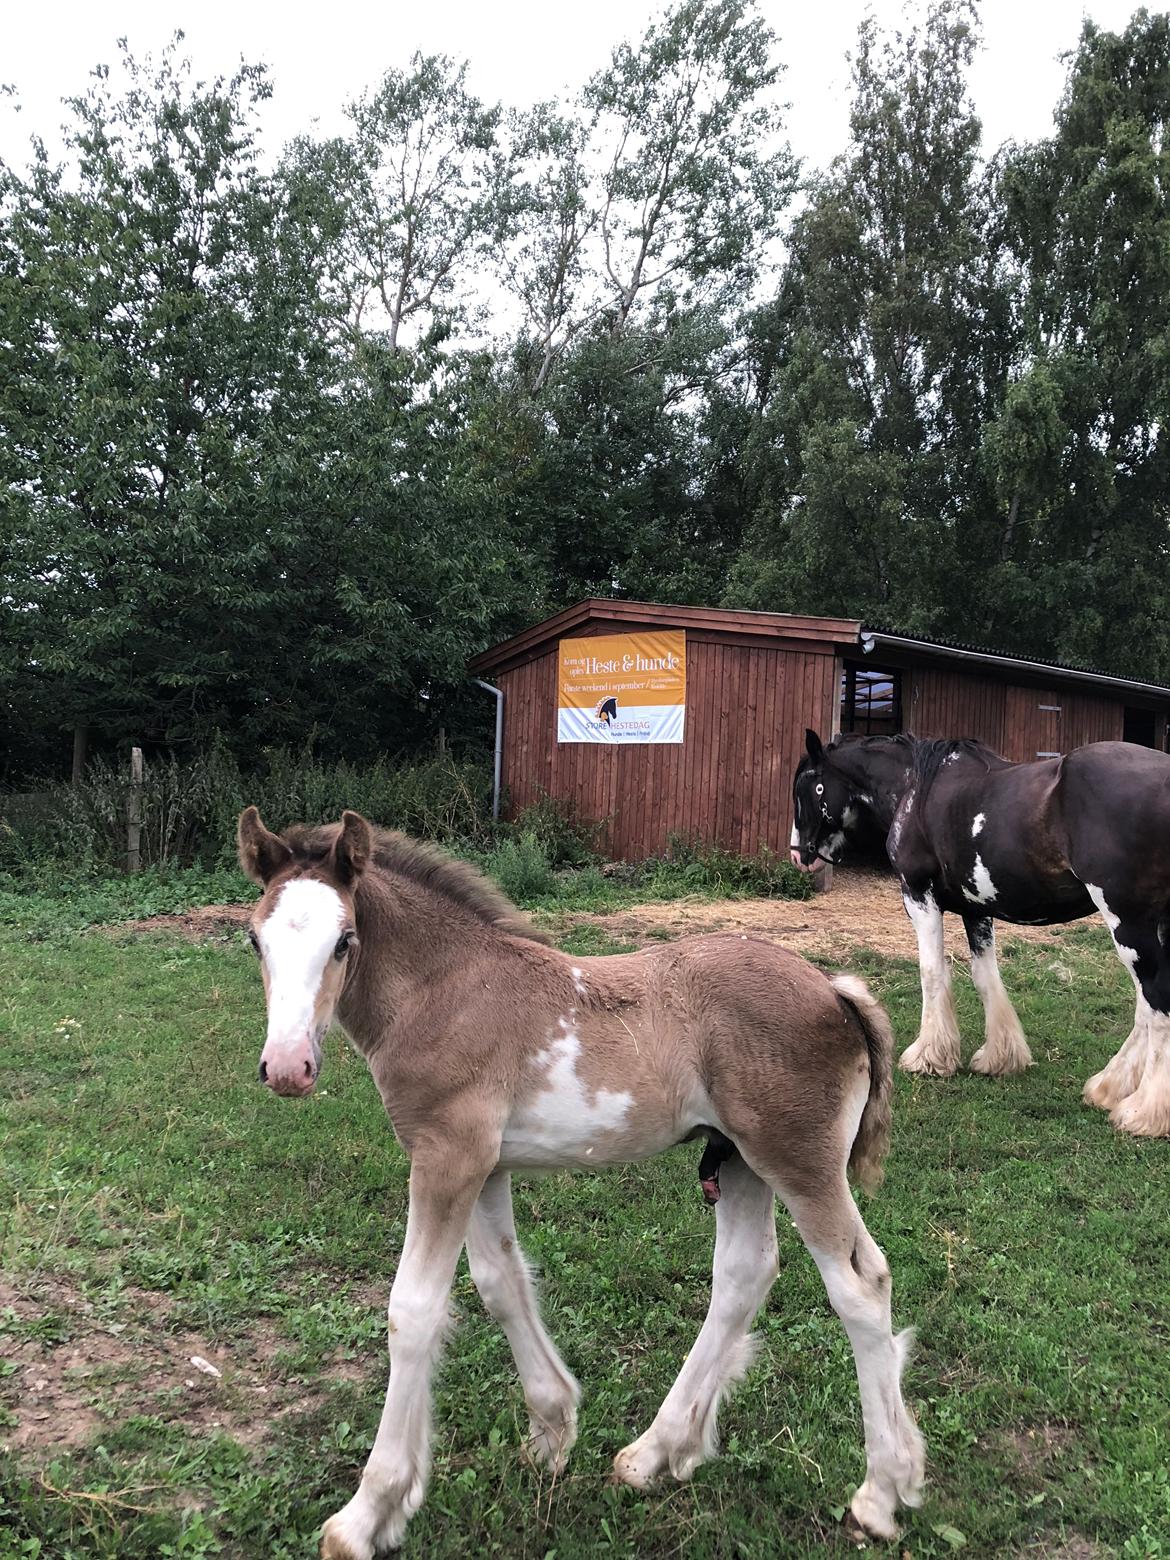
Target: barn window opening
{"x": 1139, "y": 727}
{"x": 871, "y": 700}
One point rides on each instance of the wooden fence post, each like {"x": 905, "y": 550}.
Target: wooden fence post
{"x": 134, "y": 813}
{"x": 80, "y": 752}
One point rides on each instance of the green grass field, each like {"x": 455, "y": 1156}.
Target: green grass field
{"x": 156, "y": 1203}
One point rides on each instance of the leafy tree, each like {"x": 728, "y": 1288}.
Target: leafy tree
{"x": 409, "y": 203}
{"x": 1078, "y": 450}
{"x": 868, "y": 361}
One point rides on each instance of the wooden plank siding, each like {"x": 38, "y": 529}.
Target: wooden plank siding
{"x": 728, "y": 781}
{"x": 755, "y": 681}
{"x": 1019, "y": 722}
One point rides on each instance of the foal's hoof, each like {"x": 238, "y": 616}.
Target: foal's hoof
{"x": 872, "y": 1515}
{"x": 548, "y": 1446}
{"x": 639, "y": 1464}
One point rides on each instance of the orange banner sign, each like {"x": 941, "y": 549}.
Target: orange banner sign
{"x": 628, "y": 688}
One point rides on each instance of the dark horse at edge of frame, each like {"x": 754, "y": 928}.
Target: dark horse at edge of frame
{"x": 1038, "y": 843}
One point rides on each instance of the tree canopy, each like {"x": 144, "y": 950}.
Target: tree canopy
{"x": 282, "y": 446}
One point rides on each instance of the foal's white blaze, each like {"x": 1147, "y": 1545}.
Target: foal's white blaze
{"x": 977, "y": 823}
{"x": 794, "y": 838}
{"x": 982, "y": 889}
{"x": 297, "y": 941}
{"x": 564, "y": 1122}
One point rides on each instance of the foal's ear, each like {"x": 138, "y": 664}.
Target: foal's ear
{"x": 812, "y": 744}
{"x": 354, "y": 846}
{"x": 262, "y": 854}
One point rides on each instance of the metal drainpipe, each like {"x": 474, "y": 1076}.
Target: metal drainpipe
{"x": 498, "y": 695}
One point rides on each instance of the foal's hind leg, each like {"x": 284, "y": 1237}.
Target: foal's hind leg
{"x": 502, "y": 1278}
{"x": 858, "y": 1281}
{"x": 1004, "y": 1049}
{"x": 684, "y": 1430}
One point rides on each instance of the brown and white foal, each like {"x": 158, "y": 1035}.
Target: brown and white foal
{"x": 494, "y": 1052}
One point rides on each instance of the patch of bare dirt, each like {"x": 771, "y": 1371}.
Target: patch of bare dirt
{"x": 199, "y": 924}
{"x": 77, "y": 1370}
{"x": 1038, "y": 1447}
{"x": 862, "y": 909}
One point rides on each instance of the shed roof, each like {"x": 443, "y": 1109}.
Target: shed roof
{"x": 844, "y": 632}
{"x": 764, "y": 625}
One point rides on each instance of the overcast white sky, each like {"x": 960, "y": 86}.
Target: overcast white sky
{"x": 520, "y": 51}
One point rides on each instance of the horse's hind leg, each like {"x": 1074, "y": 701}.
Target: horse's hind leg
{"x": 684, "y": 1430}
{"x": 1121, "y": 1076}
{"x": 858, "y": 1282}
{"x": 1135, "y": 1086}
{"x": 1004, "y": 1049}
{"x": 501, "y": 1275}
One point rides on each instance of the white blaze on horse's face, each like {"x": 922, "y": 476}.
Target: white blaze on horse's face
{"x": 302, "y": 939}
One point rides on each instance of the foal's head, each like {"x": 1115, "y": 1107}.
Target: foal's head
{"x": 303, "y": 930}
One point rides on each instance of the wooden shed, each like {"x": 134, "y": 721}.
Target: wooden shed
{"x": 753, "y": 682}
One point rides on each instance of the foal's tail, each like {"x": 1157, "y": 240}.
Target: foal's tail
{"x": 872, "y": 1142}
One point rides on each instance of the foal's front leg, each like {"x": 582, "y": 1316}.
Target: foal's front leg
{"x": 936, "y": 1049}
{"x": 444, "y": 1185}
{"x": 502, "y": 1278}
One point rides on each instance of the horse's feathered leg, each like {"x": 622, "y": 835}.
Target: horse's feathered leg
{"x": 1004, "y": 1049}
{"x": 936, "y": 1049}
{"x": 1121, "y": 1076}
{"x": 1144, "y": 1059}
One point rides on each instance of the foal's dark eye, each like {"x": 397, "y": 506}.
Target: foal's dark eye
{"x": 343, "y": 943}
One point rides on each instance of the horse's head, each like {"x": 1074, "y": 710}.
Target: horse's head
{"x": 304, "y": 932}
{"x": 825, "y": 804}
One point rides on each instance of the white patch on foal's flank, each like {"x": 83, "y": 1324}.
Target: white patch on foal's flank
{"x": 297, "y": 940}
{"x": 977, "y": 823}
{"x": 578, "y": 981}
{"x": 562, "y": 1122}
{"x": 982, "y": 889}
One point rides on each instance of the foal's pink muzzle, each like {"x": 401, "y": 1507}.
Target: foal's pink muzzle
{"x": 290, "y": 1070}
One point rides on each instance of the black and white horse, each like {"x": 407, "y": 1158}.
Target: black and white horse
{"x": 1039, "y": 843}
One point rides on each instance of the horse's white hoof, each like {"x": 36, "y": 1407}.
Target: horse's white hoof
{"x": 997, "y": 1061}
{"x": 918, "y": 1058}
{"x": 1146, "y": 1113}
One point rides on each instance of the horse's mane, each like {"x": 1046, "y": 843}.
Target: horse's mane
{"x": 429, "y": 867}
{"x": 926, "y": 755}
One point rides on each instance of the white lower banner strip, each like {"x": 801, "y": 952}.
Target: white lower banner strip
{"x": 618, "y": 724}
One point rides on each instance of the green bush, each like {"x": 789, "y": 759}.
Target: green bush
{"x": 702, "y": 867}
{"x": 567, "y": 839}
{"x": 189, "y": 808}
{"x": 521, "y": 867}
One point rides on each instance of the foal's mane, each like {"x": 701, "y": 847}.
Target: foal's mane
{"x": 425, "y": 864}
